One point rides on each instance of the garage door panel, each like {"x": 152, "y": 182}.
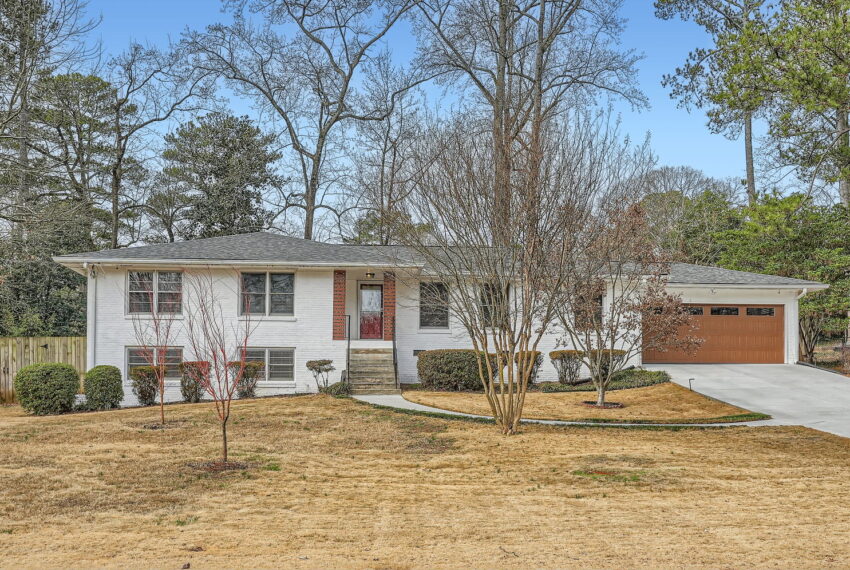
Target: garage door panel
{"x": 752, "y": 337}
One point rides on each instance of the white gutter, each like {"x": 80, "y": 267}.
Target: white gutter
{"x": 808, "y": 287}
{"x": 69, "y": 261}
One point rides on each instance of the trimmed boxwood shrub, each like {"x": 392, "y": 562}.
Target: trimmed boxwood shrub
{"x": 610, "y": 358}
{"x": 47, "y": 388}
{"x": 538, "y": 361}
{"x": 622, "y": 380}
{"x": 247, "y": 387}
{"x": 450, "y": 369}
{"x": 568, "y": 365}
{"x": 103, "y": 389}
{"x": 190, "y": 387}
{"x": 145, "y": 385}
{"x": 338, "y": 389}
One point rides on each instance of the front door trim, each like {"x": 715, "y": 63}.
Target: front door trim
{"x": 379, "y": 334}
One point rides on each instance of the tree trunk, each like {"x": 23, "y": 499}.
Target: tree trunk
{"x": 843, "y": 133}
{"x": 752, "y": 195}
{"x": 600, "y": 396}
{"x": 224, "y": 440}
{"x": 162, "y": 401}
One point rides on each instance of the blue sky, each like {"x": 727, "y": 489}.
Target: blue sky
{"x": 678, "y": 137}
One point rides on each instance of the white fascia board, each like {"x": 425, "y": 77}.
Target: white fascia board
{"x": 77, "y": 262}
{"x": 748, "y": 286}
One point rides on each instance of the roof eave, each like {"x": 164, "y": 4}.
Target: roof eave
{"x": 791, "y": 286}
{"x": 78, "y": 262}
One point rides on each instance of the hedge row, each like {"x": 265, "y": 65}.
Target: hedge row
{"x": 51, "y": 388}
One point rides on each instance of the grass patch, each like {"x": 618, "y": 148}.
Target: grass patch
{"x": 612, "y": 476}
{"x": 364, "y": 487}
{"x": 662, "y": 403}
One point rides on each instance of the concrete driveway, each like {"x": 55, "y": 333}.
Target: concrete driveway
{"x": 791, "y": 393}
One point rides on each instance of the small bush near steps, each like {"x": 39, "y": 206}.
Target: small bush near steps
{"x": 338, "y": 389}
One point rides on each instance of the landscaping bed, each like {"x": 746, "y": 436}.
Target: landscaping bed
{"x": 661, "y": 403}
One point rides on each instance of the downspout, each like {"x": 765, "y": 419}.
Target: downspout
{"x": 91, "y": 331}
{"x": 802, "y": 294}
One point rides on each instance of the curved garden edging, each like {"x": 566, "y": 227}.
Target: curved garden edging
{"x": 397, "y": 402}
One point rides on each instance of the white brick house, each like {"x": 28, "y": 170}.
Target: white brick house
{"x": 307, "y": 296}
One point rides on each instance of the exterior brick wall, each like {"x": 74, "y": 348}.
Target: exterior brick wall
{"x": 389, "y": 305}
{"x": 339, "y": 305}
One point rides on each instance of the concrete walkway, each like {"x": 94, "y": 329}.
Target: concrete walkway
{"x": 398, "y": 402}
{"x": 793, "y": 394}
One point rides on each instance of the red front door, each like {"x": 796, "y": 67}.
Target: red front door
{"x": 371, "y": 310}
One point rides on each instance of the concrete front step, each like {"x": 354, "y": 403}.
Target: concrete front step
{"x": 374, "y": 391}
{"x": 371, "y": 351}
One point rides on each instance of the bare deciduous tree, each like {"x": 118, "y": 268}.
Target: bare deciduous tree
{"x": 527, "y": 62}
{"x": 306, "y": 80}
{"x": 618, "y": 305}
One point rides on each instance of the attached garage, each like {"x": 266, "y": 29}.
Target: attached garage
{"x": 732, "y": 334}
{"x": 743, "y": 318}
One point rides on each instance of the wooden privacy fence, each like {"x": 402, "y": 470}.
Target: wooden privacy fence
{"x": 17, "y": 352}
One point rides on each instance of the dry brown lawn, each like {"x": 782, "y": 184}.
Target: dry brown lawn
{"x": 337, "y": 483}
{"x": 668, "y": 403}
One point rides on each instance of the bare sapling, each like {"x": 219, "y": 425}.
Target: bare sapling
{"x": 219, "y": 344}
{"x": 155, "y": 307}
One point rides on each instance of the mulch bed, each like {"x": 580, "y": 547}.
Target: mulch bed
{"x": 219, "y": 466}
{"x": 605, "y": 406}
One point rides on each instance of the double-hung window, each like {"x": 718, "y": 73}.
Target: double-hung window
{"x": 267, "y": 294}
{"x": 493, "y": 304}
{"x": 171, "y": 357}
{"x": 433, "y": 305}
{"x": 154, "y": 291}
{"x": 279, "y": 363}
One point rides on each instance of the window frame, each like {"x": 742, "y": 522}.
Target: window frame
{"x": 128, "y": 348}
{"x": 155, "y": 293}
{"x": 772, "y": 312}
{"x": 445, "y": 327}
{"x": 267, "y": 295}
{"x": 504, "y": 295}
{"x": 736, "y": 313}
{"x": 267, "y": 368}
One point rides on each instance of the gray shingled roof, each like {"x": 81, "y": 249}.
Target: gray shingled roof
{"x": 686, "y": 273}
{"x": 266, "y": 247}
{"x": 259, "y": 246}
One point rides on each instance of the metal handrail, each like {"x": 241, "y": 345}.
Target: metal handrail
{"x": 395, "y": 354}
{"x": 348, "y": 349}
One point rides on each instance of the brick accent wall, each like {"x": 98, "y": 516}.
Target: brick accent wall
{"x": 389, "y": 304}
{"x": 339, "y": 305}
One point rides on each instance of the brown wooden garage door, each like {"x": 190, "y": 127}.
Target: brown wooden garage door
{"x": 745, "y": 334}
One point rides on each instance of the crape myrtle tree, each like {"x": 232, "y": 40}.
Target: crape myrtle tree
{"x": 155, "y": 312}
{"x": 218, "y": 343}
{"x": 503, "y": 279}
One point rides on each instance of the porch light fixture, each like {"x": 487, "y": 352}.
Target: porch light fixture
{"x": 370, "y": 275}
